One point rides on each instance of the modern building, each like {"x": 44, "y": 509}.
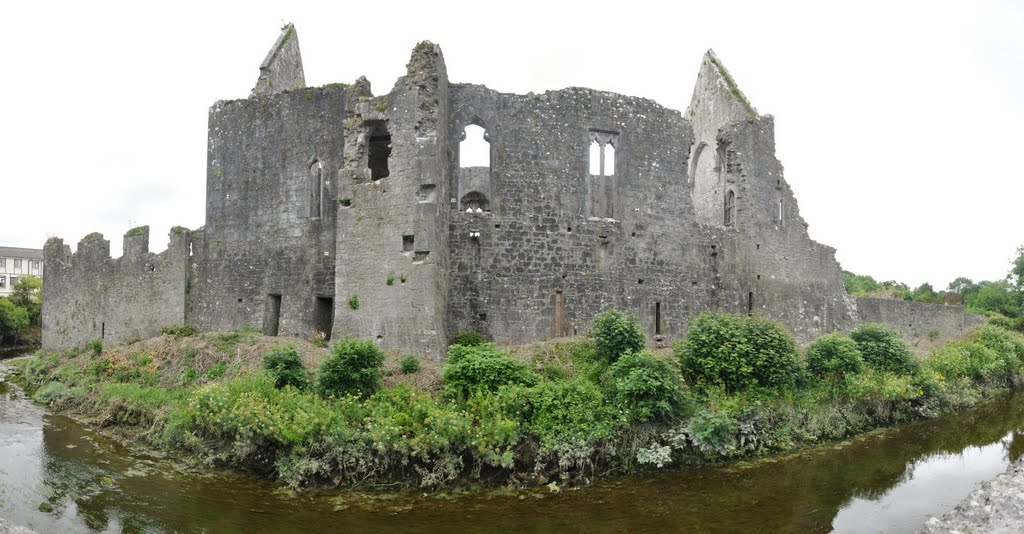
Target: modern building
{"x": 17, "y": 262}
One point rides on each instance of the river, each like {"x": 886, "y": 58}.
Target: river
{"x": 59, "y": 476}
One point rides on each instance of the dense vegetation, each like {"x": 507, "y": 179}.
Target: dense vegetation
{"x": 736, "y": 386}
{"x": 1002, "y": 300}
{"x": 21, "y": 312}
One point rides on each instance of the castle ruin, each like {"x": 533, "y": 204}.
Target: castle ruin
{"x": 332, "y": 210}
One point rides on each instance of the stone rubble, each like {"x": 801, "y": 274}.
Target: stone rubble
{"x": 995, "y": 508}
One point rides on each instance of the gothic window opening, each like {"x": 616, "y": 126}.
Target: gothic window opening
{"x": 475, "y": 147}
{"x": 730, "y": 208}
{"x": 316, "y": 188}
{"x": 379, "y": 150}
{"x": 657, "y": 318}
{"x": 271, "y": 314}
{"x": 602, "y": 153}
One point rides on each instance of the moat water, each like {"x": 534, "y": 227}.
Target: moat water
{"x": 59, "y": 476}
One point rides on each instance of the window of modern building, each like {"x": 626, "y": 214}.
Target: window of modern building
{"x": 3, "y": 263}
{"x": 3, "y": 281}
{"x": 14, "y": 280}
{"x": 35, "y": 265}
{"x": 17, "y": 264}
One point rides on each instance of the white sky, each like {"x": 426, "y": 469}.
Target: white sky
{"x": 899, "y": 123}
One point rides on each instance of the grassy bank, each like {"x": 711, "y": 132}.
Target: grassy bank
{"x": 549, "y": 413}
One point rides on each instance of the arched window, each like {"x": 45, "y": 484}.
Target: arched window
{"x": 602, "y": 153}
{"x": 475, "y": 200}
{"x": 475, "y": 148}
{"x": 730, "y": 208}
{"x": 316, "y": 188}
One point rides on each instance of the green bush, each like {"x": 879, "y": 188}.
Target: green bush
{"x": 569, "y": 419}
{"x": 883, "y": 349}
{"x": 468, "y": 339}
{"x": 965, "y": 358}
{"x": 1008, "y": 344}
{"x": 285, "y": 366}
{"x": 409, "y": 364}
{"x": 50, "y": 392}
{"x": 616, "y": 333}
{"x": 739, "y": 353}
{"x": 96, "y": 346}
{"x": 179, "y": 330}
{"x": 834, "y": 356}
{"x": 483, "y": 368}
{"x": 353, "y": 368}
{"x": 216, "y": 371}
{"x": 648, "y": 387}
{"x": 713, "y": 432}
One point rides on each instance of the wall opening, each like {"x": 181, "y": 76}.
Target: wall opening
{"x": 378, "y": 150}
{"x": 781, "y": 213}
{"x": 408, "y": 243}
{"x": 730, "y": 208}
{"x": 475, "y": 147}
{"x": 559, "y": 326}
{"x": 316, "y": 188}
{"x": 103, "y": 330}
{"x": 475, "y": 201}
{"x": 271, "y": 315}
{"x": 602, "y": 153}
{"x": 657, "y": 318}
{"x": 323, "y": 316}
{"x": 750, "y": 303}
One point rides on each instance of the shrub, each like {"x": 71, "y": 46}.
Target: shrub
{"x": 216, "y": 371}
{"x": 739, "y": 353}
{"x": 1008, "y": 344}
{"x": 50, "y": 392}
{"x": 883, "y": 349}
{"x": 353, "y": 302}
{"x": 965, "y": 358}
{"x": 179, "y": 330}
{"x": 468, "y": 339}
{"x": 483, "y": 368}
{"x": 713, "y": 432}
{"x": 409, "y": 364}
{"x": 353, "y": 367}
{"x": 615, "y": 333}
{"x": 569, "y": 419}
{"x": 834, "y": 356}
{"x": 285, "y": 367}
{"x": 648, "y": 387}
{"x": 96, "y": 346}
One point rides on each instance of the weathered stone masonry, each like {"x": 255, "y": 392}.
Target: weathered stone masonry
{"x": 336, "y": 211}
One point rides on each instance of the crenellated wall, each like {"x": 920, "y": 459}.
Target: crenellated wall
{"x": 90, "y": 296}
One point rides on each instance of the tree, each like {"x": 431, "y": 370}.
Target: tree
{"x": 27, "y": 294}
{"x": 13, "y": 321}
{"x": 1016, "y": 275}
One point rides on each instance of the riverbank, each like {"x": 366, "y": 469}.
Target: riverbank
{"x": 556, "y": 414}
{"x": 995, "y": 508}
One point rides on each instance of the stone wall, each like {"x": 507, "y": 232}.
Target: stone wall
{"x": 271, "y": 206}
{"x": 90, "y": 296}
{"x": 392, "y": 283}
{"x": 916, "y": 319}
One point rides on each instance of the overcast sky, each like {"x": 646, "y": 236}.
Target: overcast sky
{"x": 899, "y": 123}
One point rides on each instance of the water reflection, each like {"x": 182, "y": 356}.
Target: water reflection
{"x": 886, "y": 481}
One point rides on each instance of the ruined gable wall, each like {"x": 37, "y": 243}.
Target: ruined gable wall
{"x": 392, "y": 236}
{"x": 788, "y": 276}
{"x": 89, "y": 296}
{"x": 539, "y": 237}
{"x": 262, "y": 235}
